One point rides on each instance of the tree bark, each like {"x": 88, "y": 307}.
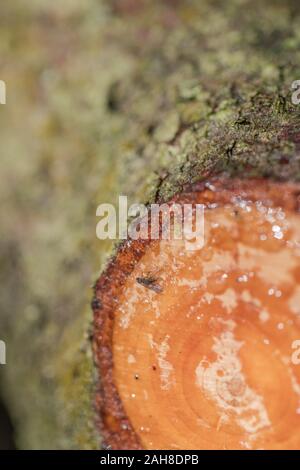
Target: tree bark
{"x": 106, "y": 98}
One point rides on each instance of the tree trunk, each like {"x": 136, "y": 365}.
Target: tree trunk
{"x": 140, "y": 98}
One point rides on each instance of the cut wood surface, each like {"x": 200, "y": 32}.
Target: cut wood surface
{"x": 205, "y": 362}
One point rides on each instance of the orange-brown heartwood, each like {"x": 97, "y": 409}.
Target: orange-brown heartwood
{"x": 196, "y": 349}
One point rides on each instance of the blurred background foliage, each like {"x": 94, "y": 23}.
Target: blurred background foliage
{"x": 52, "y": 178}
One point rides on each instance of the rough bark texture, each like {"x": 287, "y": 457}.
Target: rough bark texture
{"x": 107, "y": 98}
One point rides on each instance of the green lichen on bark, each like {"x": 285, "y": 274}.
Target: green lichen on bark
{"x": 108, "y": 98}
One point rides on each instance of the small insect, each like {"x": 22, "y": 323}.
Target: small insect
{"x": 96, "y": 304}
{"x": 150, "y": 282}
